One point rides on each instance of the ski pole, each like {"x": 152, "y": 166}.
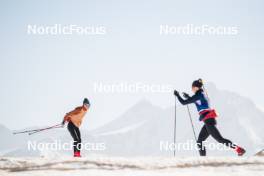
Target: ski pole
{"x": 39, "y": 130}
{"x": 30, "y": 131}
{"x": 47, "y": 128}
{"x": 190, "y": 116}
{"x": 174, "y": 139}
{"x": 27, "y": 131}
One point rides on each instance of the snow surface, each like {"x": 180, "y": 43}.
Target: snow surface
{"x": 147, "y": 166}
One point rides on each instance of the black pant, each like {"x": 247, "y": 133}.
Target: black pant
{"x": 209, "y": 128}
{"x": 76, "y": 135}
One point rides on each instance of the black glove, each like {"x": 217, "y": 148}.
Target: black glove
{"x": 185, "y": 95}
{"x": 176, "y": 93}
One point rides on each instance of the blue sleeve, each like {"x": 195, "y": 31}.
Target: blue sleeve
{"x": 190, "y": 100}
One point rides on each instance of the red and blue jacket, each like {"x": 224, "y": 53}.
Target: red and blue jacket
{"x": 202, "y": 105}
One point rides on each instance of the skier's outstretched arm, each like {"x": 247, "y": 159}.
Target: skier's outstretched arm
{"x": 189, "y": 100}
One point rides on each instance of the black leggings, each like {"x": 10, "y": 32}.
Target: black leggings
{"x": 76, "y": 135}
{"x": 209, "y": 128}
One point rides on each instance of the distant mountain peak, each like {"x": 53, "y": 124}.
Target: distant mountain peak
{"x": 143, "y": 103}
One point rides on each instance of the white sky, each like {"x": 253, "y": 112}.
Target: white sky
{"x": 43, "y": 77}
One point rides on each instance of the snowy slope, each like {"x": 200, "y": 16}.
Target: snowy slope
{"x": 103, "y": 166}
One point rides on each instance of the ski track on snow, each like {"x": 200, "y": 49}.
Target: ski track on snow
{"x": 132, "y": 166}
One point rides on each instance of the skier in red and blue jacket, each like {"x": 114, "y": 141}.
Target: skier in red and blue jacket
{"x": 207, "y": 115}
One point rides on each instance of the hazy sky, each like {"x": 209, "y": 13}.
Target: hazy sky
{"x": 43, "y": 76}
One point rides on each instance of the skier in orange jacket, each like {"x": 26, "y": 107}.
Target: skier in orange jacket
{"x": 74, "y": 119}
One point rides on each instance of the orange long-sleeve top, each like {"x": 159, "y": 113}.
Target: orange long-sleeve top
{"x": 76, "y": 116}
